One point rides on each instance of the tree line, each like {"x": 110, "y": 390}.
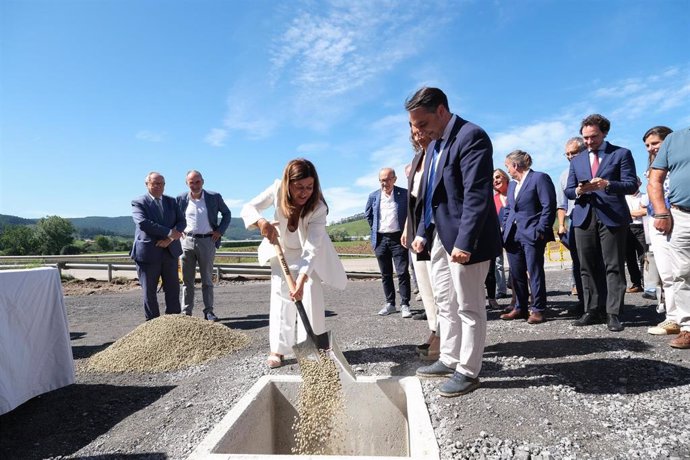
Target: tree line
{"x": 54, "y": 235}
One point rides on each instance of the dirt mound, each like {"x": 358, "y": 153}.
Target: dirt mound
{"x": 167, "y": 343}
{"x": 75, "y": 287}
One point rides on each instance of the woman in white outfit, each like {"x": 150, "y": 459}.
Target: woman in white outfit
{"x": 300, "y": 228}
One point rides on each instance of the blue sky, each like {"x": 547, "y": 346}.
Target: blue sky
{"x": 94, "y": 94}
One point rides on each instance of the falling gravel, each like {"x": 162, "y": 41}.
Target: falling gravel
{"x": 168, "y": 343}
{"x": 319, "y": 423}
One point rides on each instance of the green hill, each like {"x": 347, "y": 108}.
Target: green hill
{"x": 355, "y": 228}
{"x": 89, "y": 227}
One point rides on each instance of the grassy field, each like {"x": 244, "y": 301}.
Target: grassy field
{"x": 354, "y": 228}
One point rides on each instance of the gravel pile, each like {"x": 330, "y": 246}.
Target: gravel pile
{"x": 167, "y": 343}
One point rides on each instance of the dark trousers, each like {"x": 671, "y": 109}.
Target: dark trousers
{"x": 602, "y": 257}
{"x": 148, "y": 278}
{"x": 490, "y": 281}
{"x": 577, "y": 276}
{"x": 524, "y": 258}
{"x": 389, "y": 251}
{"x": 635, "y": 249}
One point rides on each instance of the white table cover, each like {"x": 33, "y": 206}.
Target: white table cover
{"x": 35, "y": 351}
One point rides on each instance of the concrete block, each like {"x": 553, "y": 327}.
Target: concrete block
{"x": 386, "y": 418}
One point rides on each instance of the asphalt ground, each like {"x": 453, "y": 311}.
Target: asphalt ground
{"x": 550, "y": 388}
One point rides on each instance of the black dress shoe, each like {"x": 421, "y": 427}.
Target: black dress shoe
{"x": 613, "y": 323}
{"x": 588, "y": 319}
{"x": 419, "y": 316}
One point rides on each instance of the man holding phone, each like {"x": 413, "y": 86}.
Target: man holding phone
{"x": 598, "y": 182}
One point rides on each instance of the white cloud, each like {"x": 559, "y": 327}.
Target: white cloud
{"x": 150, "y": 136}
{"x": 333, "y": 51}
{"x": 343, "y": 202}
{"x": 544, "y": 141}
{"x": 658, "y": 93}
{"x": 216, "y": 137}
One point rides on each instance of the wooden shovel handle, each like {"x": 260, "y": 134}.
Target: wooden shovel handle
{"x": 291, "y": 284}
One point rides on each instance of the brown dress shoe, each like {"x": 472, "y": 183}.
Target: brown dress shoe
{"x": 535, "y": 317}
{"x": 515, "y": 314}
{"x": 682, "y": 341}
{"x": 634, "y": 288}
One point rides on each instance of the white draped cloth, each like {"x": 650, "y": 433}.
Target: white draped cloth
{"x": 35, "y": 350}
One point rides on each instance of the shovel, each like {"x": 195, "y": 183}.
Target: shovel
{"x": 309, "y": 348}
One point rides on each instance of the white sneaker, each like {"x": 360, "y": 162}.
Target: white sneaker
{"x": 406, "y": 313}
{"x": 387, "y": 309}
{"x": 664, "y": 328}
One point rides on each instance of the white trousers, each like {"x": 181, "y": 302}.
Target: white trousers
{"x": 284, "y": 322}
{"x": 459, "y": 295}
{"x": 662, "y": 258}
{"x": 422, "y": 270}
{"x": 680, "y": 264}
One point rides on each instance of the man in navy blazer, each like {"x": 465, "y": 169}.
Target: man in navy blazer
{"x": 386, "y": 211}
{"x": 461, "y": 227}
{"x": 598, "y": 181}
{"x": 158, "y": 227}
{"x": 527, "y": 226}
{"x": 201, "y": 239}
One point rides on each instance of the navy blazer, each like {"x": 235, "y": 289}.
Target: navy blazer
{"x": 371, "y": 211}
{"x": 214, "y": 205}
{"x": 462, "y": 194}
{"x": 534, "y": 210}
{"x": 618, "y": 167}
{"x": 150, "y": 228}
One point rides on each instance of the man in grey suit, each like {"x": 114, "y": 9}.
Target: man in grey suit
{"x": 158, "y": 228}
{"x": 201, "y": 239}
{"x": 386, "y": 211}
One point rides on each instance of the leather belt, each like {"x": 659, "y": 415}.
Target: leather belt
{"x": 390, "y": 233}
{"x": 199, "y": 235}
{"x": 681, "y": 208}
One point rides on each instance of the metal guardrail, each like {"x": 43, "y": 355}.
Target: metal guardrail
{"x": 221, "y": 270}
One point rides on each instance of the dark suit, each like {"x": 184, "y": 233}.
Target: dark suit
{"x": 527, "y": 227}
{"x": 601, "y": 222}
{"x": 154, "y": 262}
{"x": 387, "y": 246}
{"x": 462, "y": 200}
{"x": 465, "y": 218}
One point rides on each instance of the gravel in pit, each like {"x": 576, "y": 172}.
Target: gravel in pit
{"x": 547, "y": 391}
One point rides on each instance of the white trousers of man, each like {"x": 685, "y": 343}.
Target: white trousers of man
{"x": 661, "y": 245}
{"x": 680, "y": 264}
{"x": 459, "y": 295}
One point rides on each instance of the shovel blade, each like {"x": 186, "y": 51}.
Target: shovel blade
{"x": 309, "y": 349}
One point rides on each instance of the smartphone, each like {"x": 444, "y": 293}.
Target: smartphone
{"x": 583, "y": 182}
